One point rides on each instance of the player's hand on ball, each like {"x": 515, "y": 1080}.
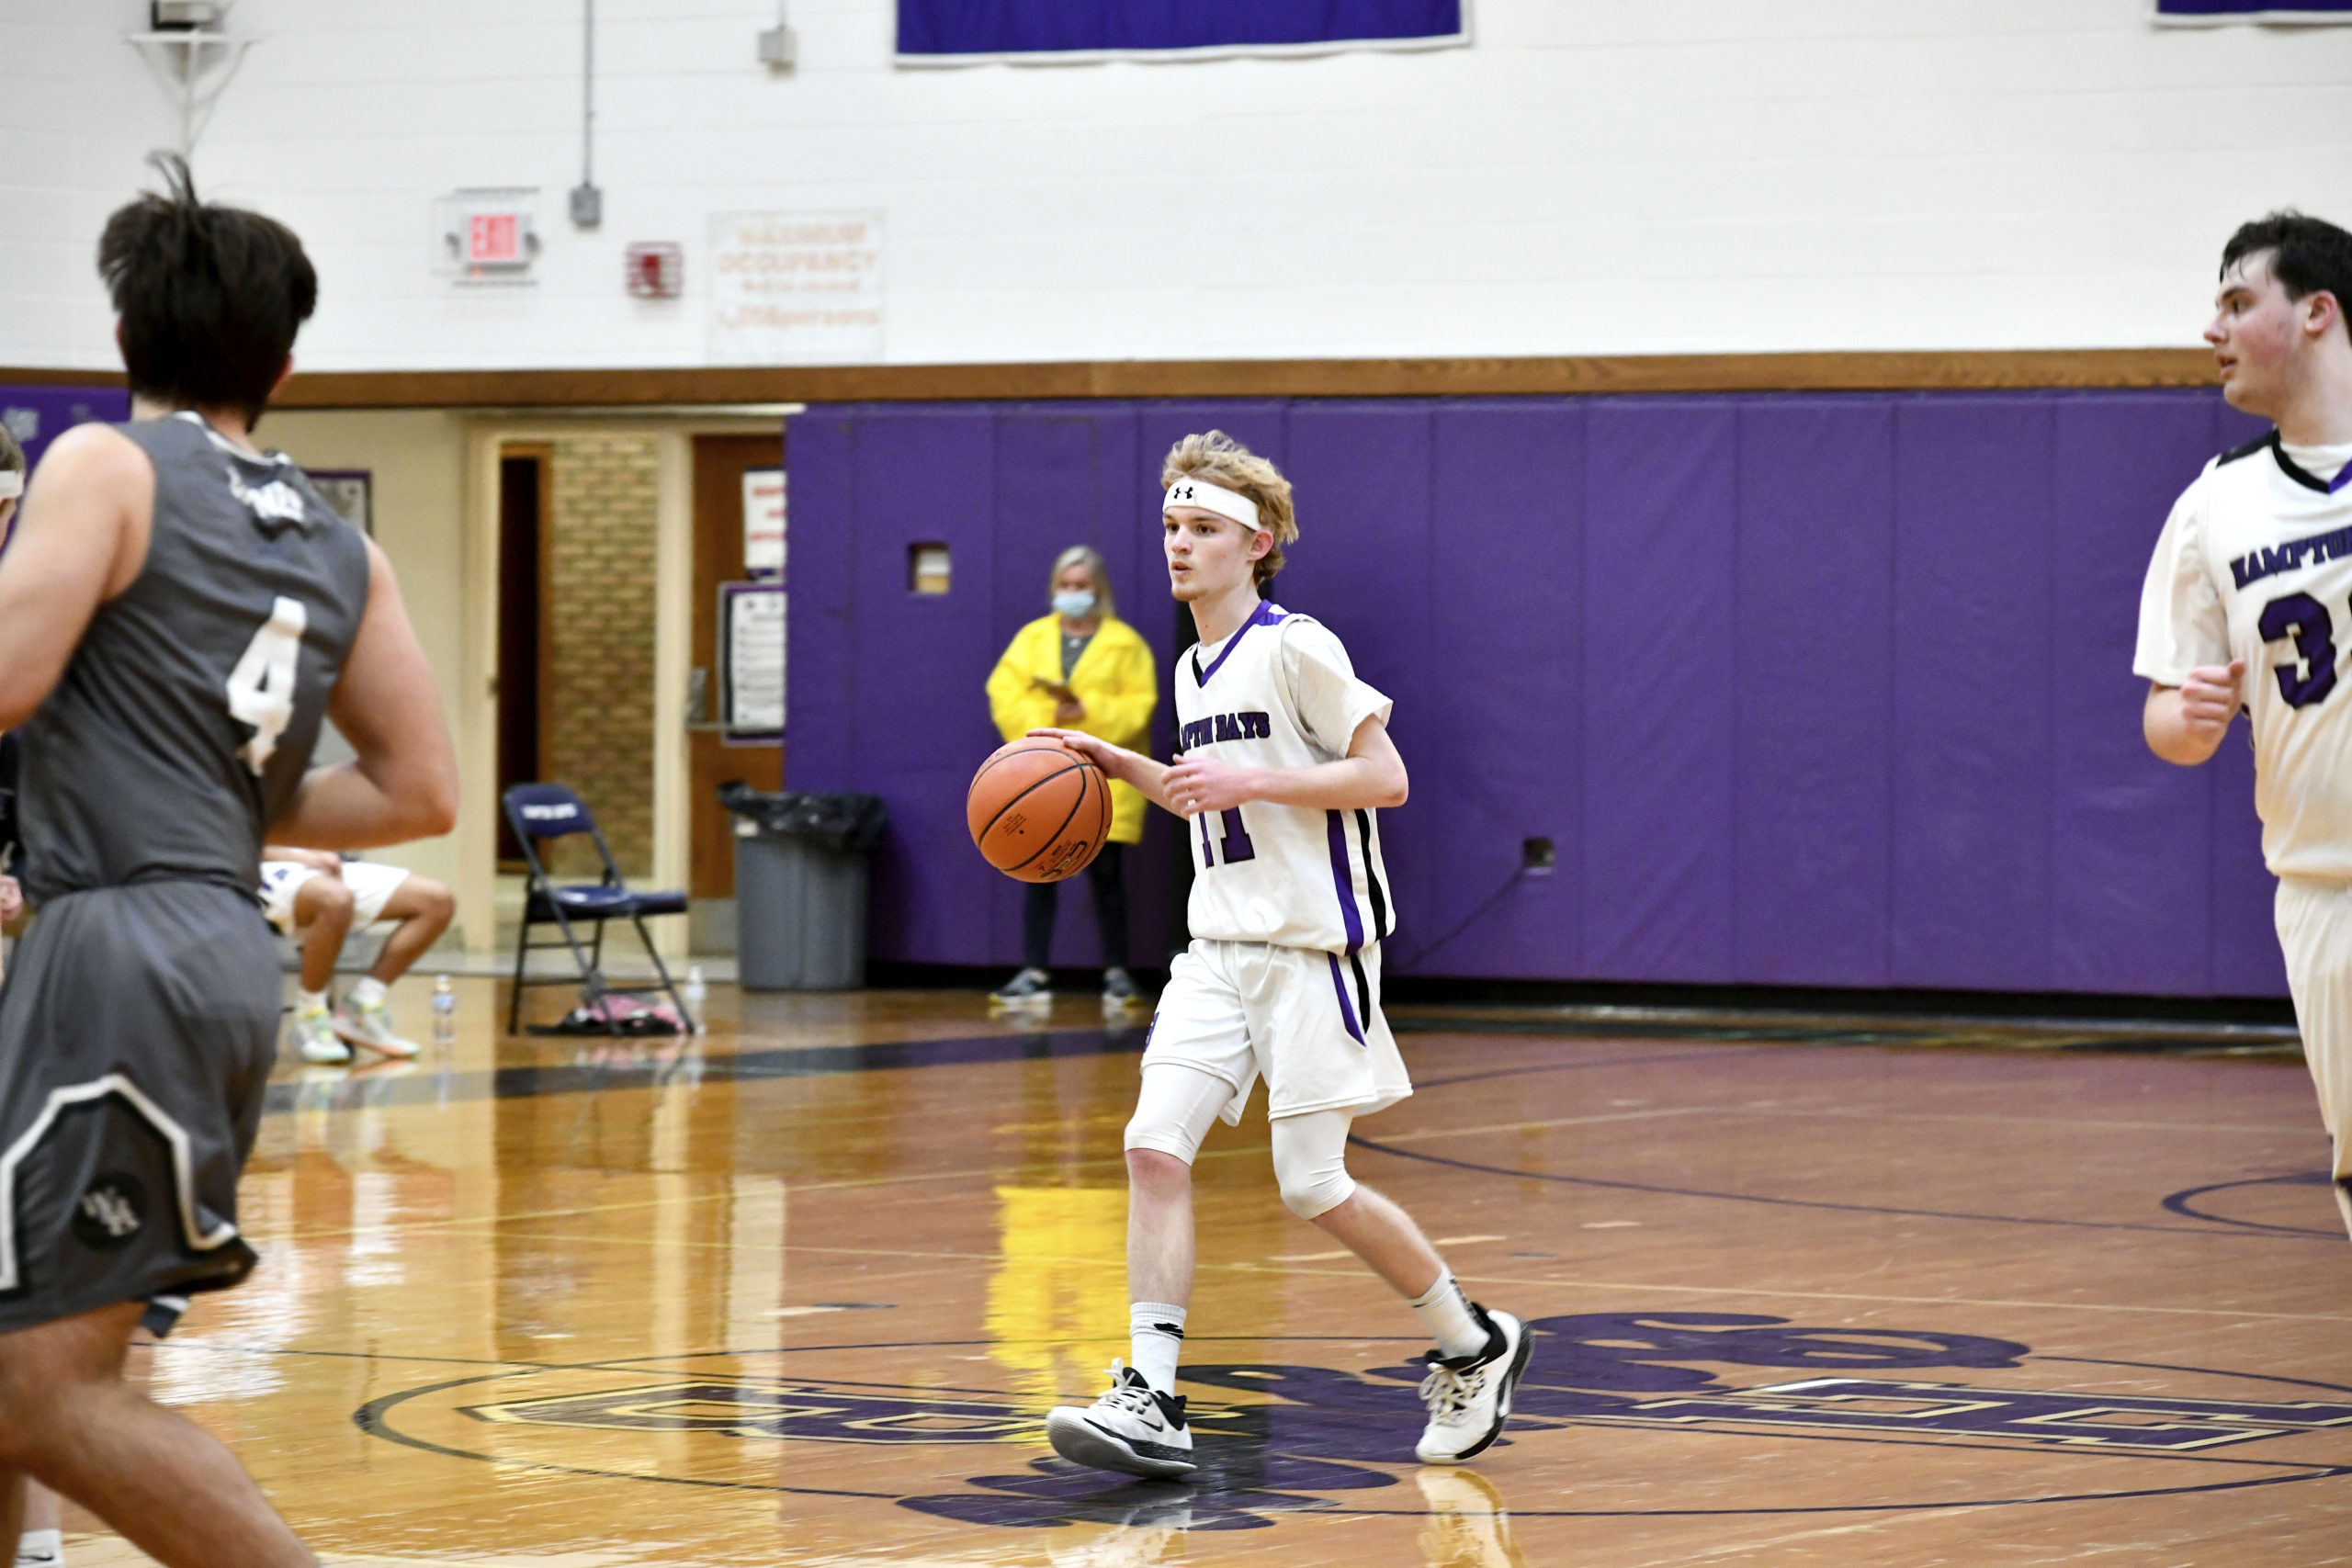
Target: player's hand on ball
{"x": 1202, "y": 783}
{"x": 1094, "y": 748}
{"x": 2211, "y": 697}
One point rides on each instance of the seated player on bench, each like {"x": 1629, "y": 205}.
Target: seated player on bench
{"x": 318, "y": 900}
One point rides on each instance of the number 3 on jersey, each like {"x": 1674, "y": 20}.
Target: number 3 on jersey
{"x": 261, "y": 688}
{"x": 2303, "y": 620}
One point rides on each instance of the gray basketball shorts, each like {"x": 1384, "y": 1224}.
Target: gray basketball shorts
{"x": 138, "y": 1026}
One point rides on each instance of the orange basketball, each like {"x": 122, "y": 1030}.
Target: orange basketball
{"x": 1038, "y": 810}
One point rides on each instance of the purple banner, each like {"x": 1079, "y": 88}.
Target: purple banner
{"x": 35, "y": 415}
{"x": 952, "y": 32}
{"x": 2252, "y": 11}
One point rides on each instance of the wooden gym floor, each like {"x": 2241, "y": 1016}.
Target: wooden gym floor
{"x": 1807, "y": 1292}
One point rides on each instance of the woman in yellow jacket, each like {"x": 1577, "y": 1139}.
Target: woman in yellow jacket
{"x": 1080, "y": 667}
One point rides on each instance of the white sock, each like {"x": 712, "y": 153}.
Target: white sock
{"x": 310, "y": 1001}
{"x": 1155, "y": 1337}
{"x": 369, "y": 992}
{"x": 40, "y": 1548}
{"x": 1445, "y": 1312}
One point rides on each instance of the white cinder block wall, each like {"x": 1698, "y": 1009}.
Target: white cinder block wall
{"x": 1591, "y": 176}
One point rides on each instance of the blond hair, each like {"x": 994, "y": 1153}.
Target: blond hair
{"x": 12, "y": 456}
{"x": 1091, "y": 559}
{"x": 1221, "y": 460}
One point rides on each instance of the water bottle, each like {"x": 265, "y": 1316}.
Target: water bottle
{"x": 444, "y": 1013}
{"x": 694, "y": 992}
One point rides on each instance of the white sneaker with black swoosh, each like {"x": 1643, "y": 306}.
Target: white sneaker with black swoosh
{"x": 1134, "y": 1427}
{"x": 1469, "y": 1396}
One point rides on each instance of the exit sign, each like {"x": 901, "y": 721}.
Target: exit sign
{"x": 487, "y": 235}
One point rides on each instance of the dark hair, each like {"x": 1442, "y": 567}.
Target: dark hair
{"x": 209, "y": 296}
{"x": 2309, "y": 255}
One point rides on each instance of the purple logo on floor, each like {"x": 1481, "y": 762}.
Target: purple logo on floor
{"x": 1291, "y": 1438}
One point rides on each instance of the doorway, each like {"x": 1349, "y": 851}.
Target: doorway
{"x": 525, "y": 502}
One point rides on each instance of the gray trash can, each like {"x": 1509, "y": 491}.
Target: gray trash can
{"x": 800, "y": 868}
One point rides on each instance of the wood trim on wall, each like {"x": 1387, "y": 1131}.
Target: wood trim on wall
{"x": 1920, "y": 370}
{"x": 18, "y": 376}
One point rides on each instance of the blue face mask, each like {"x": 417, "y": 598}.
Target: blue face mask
{"x": 1074, "y": 605}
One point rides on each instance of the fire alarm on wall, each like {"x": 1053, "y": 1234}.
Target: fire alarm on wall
{"x": 657, "y": 270}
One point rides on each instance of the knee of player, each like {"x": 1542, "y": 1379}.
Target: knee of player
{"x": 329, "y": 897}
{"x": 19, "y": 1428}
{"x": 1156, "y": 1171}
{"x": 1311, "y": 1194}
{"x": 436, "y": 903}
{"x": 25, "y": 1419}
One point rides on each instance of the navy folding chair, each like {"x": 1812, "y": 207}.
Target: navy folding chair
{"x": 540, "y": 813}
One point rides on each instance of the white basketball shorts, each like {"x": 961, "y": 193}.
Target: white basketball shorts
{"x": 2315, "y": 932}
{"x": 1306, "y": 1020}
{"x": 371, "y": 885}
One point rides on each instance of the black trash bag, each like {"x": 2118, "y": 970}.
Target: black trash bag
{"x": 837, "y": 822}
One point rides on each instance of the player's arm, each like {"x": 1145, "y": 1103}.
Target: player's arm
{"x": 2185, "y": 724}
{"x": 1127, "y": 767}
{"x": 82, "y": 540}
{"x": 1372, "y": 775}
{"x": 402, "y": 783}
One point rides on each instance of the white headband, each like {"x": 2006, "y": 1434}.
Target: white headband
{"x": 1212, "y": 498}
{"x": 12, "y": 483}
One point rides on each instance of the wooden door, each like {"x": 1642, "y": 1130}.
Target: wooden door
{"x": 720, "y": 462}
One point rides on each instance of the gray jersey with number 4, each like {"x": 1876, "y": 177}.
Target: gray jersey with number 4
{"x": 183, "y": 722}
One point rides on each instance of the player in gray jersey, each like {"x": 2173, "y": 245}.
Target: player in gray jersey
{"x": 179, "y": 614}
{"x": 2241, "y": 611}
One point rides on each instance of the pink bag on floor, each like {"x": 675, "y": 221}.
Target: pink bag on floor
{"x": 625, "y": 1014}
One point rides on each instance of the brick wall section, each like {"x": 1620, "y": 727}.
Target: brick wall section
{"x": 599, "y": 693}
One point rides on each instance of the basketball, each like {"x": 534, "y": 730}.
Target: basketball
{"x": 1038, "y": 811}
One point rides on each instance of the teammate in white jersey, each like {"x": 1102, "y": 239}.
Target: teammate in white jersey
{"x": 2244, "y": 604}
{"x": 1284, "y": 756}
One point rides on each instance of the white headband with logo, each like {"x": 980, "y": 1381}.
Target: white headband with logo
{"x": 12, "y": 483}
{"x": 1212, "y": 498}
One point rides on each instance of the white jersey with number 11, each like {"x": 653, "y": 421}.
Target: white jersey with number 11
{"x": 1280, "y": 692}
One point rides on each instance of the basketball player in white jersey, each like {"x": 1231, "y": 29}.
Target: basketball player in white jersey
{"x": 2247, "y": 603}
{"x": 1285, "y": 756}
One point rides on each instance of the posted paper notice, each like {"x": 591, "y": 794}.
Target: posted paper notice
{"x": 796, "y": 287}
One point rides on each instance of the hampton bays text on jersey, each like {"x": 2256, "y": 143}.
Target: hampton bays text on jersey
{"x": 1226, "y": 726}
{"x": 2272, "y": 559}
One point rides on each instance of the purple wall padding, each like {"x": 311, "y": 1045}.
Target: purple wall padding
{"x": 1507, "y": 619}
{"x": 37, "y": 415}
{"x": 1803, "y": 689}
{"x": 1972, "y": 679}
{"x": 1815, "y": 687}
{"x": 1660, "y": 646}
